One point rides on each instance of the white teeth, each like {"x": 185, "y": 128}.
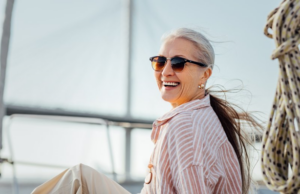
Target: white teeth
{"x": 171, "y": 83}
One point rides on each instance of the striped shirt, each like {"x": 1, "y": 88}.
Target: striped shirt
{"x": 192, "y": 153}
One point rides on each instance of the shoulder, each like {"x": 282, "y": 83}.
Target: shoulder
{"x": 198, "y": 132}
{"x": 201, "y": 127}
{"x": 179, "y": 141}
{"x": 180, "y": 131}
{"x": 181, "y": 122}
{"x": 208, "y": 135}
{"x": 206, "y": 119}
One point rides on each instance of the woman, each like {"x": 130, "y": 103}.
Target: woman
{"x": 198, "y": 144}
{"x": 199, "y": 147}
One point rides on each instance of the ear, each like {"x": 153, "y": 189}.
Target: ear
{"x": 206, "y": 75}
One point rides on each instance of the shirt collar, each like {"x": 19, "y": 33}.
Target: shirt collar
{"x": 186, "y": 107}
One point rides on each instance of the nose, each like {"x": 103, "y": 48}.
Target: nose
{"x": 167, "y": 71}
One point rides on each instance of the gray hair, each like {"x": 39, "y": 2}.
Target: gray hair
{"x": 205, "y": 51}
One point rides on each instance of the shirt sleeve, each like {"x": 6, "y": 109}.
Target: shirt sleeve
{"x": 221, "y": 177}
{"x": 230, "y": 179}
{"x": 193, "y": 180}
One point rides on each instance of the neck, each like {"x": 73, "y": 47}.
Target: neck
{"x": 200, "y": 95}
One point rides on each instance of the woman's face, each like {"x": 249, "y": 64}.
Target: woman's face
{"x": 189, "y": 78}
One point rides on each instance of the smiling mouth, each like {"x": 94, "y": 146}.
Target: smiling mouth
{"x": 171, "y": 84}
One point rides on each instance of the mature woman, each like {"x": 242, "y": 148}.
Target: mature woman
{"x": 199, "y": 147}
{"x": 198, "y": 143}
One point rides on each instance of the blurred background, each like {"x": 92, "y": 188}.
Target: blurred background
{"x": 79, "y": 87}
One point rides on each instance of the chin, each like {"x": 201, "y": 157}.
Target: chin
{"x": 168, "y": 98}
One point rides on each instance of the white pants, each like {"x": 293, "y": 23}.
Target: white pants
{"x": 80, "y": 179}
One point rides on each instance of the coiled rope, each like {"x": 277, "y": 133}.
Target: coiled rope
{"x": 281, "y": 142}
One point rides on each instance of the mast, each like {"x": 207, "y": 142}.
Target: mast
{"x": 3, "y": 63}
{"x": 129, "y": 5}
{"x": 129, "y": 21}
{"x": 3, "y": 57}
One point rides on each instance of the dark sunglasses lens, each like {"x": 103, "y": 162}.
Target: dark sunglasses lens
{"x": 177, "y": 64}
{"x": 158, "y": 63}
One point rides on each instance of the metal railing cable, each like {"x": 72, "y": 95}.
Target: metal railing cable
{"x": 96, "y": 121}
{"x": 281, "y": 145}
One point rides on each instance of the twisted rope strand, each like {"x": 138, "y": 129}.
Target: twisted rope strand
{"x": 281, "y": 144}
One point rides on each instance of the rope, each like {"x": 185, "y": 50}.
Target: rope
{"x": 281, "y": 145}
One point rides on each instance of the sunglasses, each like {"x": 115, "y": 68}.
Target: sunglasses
{"x": 177, "y": 63}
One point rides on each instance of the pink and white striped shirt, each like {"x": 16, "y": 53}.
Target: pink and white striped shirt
{"x": 192, "y": 153}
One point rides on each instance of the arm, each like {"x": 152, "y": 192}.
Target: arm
{"x": 221, "y": 177}
{"x": 193, "y": 180}
{"x": 229, "y": 164}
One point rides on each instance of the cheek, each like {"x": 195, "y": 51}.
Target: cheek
{"x": 189, "y": 87}
{"x": 190, "y": 81}
{"x": 157, "y": 77}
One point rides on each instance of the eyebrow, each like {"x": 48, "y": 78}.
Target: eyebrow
{"x": 174, "y": 56}
{"x": 179, "y": 56}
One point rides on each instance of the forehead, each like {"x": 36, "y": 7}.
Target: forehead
{"x": 178, "y": 46}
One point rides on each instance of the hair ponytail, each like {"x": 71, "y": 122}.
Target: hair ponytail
{"x": 232, "y": 122}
